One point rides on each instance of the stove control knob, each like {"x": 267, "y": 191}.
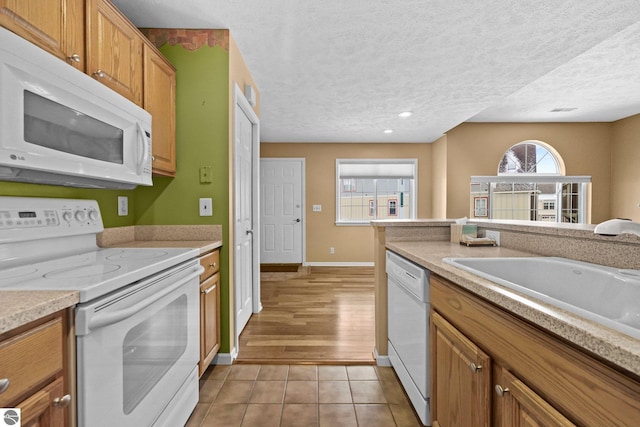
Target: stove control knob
{"x": 93, "y": 215}
{"x": 80, "y": 216}
{"x": 67, "y": 216}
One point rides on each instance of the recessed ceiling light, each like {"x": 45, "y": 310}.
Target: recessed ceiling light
{"x": 405, "y": 114}
{"x": 388, "y": 131}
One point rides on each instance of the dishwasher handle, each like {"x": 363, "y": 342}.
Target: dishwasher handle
{"x": 109, "y": 318}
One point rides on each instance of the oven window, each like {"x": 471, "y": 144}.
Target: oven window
{"x": 52, "y": 125}
{"x": 150, "y": 349}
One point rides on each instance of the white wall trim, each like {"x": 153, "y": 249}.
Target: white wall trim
{"x": 380, "y": 359}
{"x": 339, "y": 264}
{"x": 224, "y": 358}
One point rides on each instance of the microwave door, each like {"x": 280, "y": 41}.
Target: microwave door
{"x": 60, "y": 126}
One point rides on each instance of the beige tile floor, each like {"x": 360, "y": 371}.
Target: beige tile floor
{"x": 302, "y": 395}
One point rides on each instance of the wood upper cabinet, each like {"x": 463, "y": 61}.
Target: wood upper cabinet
{"x": 160, "y": 101}
{"x": 35, "y": 373}
{"x": 537, "y": 379}
{"x": 461, "y": 378}
{"x": 114, "y": 49}
{"x": 209, "y": 309}
{"x": 57, "y": 26}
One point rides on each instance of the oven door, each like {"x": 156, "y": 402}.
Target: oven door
{"x": 137, "y": 348}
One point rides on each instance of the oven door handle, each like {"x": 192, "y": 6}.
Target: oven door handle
{"x": 105, "y": 319}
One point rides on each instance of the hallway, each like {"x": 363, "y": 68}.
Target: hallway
{"x": 324, "y": 317}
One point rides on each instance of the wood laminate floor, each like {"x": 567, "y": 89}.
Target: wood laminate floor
{"x": 320, "y": 316}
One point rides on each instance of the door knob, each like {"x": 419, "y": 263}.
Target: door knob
{"x": 249, "y": 232}
{"x": 297, "y": 220}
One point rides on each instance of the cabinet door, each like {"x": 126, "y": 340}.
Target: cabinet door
{"x": 57, "y": 26}
{"x": 461, "y": 378}
{"x": 524, "y": 408}
{"x": 42, "y": 409}
{"x": 160, "y": 101}
{"x": 209, "y": 323}
{"x": 114, "y": 50}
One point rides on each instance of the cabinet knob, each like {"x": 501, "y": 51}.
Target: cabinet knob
{"x": 62, "y": 402}
{"x": 99, "y": 73}
{"x": 209, "y": 290}
{"x": 212, "y": 265}
{"x": 74, "y": 58}
{"x": 4, "y": 384}
{"x": 474, "y": 367}
{"x": 501, "y": 391}
{"x": 153, "y": 158}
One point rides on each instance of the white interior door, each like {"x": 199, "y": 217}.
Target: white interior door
{"x": 246, "y": 243}
{"x": 281, "y": 212}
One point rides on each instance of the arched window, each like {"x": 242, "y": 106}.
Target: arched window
{"x": 531, "y": 157}
{"x": 531, "y": 185}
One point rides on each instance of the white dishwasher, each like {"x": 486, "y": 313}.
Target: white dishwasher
{"x": 408, "y": 314}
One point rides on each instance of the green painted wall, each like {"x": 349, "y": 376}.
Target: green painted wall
{"x": 202, "y": 139}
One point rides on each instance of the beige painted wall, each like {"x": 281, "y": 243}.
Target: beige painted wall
{"x": 439, "y": 178}
{"x": 476, "y": 149}
{"x": 351, "y": 243}
{"x": 625, "y": 173}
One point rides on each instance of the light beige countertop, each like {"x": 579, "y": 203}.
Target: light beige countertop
{"x": 203, "y": 237}
{"x": 608, "y": 344}
{"x": 18, "y": 308}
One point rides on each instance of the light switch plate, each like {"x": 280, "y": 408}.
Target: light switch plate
{"x": 123, "y": 206}
{"x": 206, "y": 206}
{"x": 205, "y": 175}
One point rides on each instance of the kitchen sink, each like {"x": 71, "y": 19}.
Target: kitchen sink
{"x": 605, "y": 295}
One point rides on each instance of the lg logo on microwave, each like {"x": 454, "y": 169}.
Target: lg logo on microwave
{"x": 14, "y": 157}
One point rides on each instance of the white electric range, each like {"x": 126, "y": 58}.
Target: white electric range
{"x": 137, "y": 324}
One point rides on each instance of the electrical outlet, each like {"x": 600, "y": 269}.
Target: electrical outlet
{"x": 332, "y": 251}
{"x": 206, "y": 206}
{"x": 495, "y": 235}
{"x": 317, "y": 208}
{"x": 123, "y": 206}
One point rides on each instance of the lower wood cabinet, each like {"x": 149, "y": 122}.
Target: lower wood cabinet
{"x": 461, "y": 378}
{"x": 33, "y": 374}
{"x": 209, "y": 309}
{"x": 491, "y": 368}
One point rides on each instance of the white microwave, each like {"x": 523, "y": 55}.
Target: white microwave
{"x": 59, "y": 126}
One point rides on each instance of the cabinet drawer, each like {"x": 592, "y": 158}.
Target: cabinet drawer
{"x": 211, "y": 264}
{"x": 30, "y": 358}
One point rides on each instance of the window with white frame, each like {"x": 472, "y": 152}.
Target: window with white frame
{"x": 531, "y": 186}
{"x": 368, "y": 189}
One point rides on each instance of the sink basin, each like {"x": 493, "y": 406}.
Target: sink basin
{"x": 605, "y": 295}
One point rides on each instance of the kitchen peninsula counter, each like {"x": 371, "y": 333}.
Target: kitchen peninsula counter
{"x": 614, "y": 347}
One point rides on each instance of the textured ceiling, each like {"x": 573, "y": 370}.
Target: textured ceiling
{"x": 342, "y": 70}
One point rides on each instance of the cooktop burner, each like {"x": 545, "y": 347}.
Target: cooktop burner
{"x": 95, "y": 270}
{"x": 13, "y": 273}
{"x": 130, "y": 255}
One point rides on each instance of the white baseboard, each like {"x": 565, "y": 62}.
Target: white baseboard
{"x": 380, "y": 359}
{"x": 339, "y": 264}
{"x": 224, "y": 358}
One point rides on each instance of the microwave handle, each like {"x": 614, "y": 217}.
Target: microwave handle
{"x": 145, "y": 148}
{"x": 106, "y": 318}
